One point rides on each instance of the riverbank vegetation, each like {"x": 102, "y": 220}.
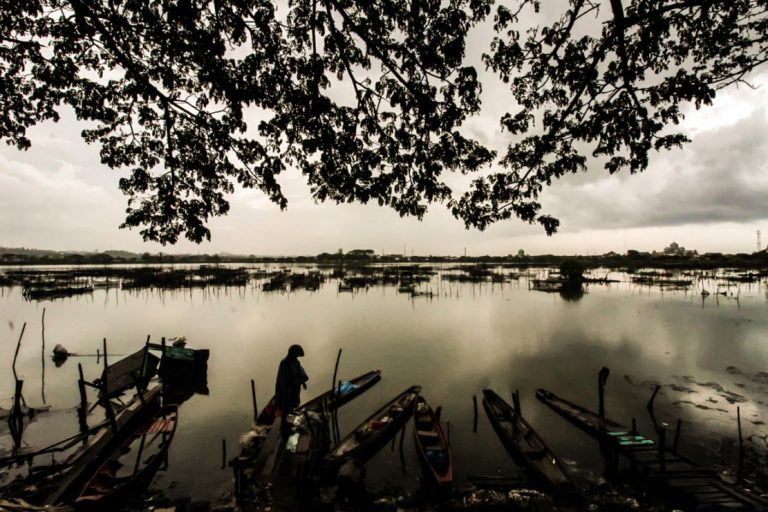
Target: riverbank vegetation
{"x": 631, "y": 261}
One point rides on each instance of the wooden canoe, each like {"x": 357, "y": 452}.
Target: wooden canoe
{"x": 372, "y": 434}
{"x": 432, "y": 445}
{"x": 588, "y": 421}
{"x": 527, "y": 448}
{"x": 340, "y": 396}
{"x": 137, "y": 368}
{"x": 359, "y": 384}
{"x": 132, "y": 466}
{"x": 82, "y": 464}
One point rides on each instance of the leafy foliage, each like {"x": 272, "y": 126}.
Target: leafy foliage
{"x": 366, "y": 99}
{"x": 605, "y": 82}
{"x": 167, "y": 83}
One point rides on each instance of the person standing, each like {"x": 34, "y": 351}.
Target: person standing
{"x": 290, "y": 379}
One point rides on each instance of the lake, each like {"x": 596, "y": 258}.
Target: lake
{"x": 708, "y": 353}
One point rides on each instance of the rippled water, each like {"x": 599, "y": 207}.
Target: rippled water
{"x": 707, "y": 352}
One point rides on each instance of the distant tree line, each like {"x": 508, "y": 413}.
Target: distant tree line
{"x": 631, "y": 261}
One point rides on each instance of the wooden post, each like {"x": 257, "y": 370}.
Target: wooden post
{"x": 741, "y": 446}
{"x": 516, "y": 402}
{"x": 42, "y": 359}
{"x": 653, "y": 398}
{"x": 677, "y": 435}
{"x": 145, "y": 358}
{"x": 223, "y": 453}
{"x": 105, "y": 391}
{"x": 634, "y": 426}
{"x": 474, "y": 406}
{"x": 602, "y": 379}
{"x": 139, "y": 389}
{"x": 138, "y": 456}
{"x": 336, "y": 371}
{"x": 253, "y": 401}
{"x": 16, "y": 354}
{"x": 82, "y": 411}
{"x": 335, "y": 416}
{"x": 16, "y": 419}
{"x": 662, "y": 447}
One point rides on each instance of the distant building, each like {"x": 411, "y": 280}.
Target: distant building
{"x": 361, "y": 253}
{"x": 675, "y": 249}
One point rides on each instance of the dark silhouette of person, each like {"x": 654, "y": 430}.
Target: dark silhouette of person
{"x": 290, "y": 378}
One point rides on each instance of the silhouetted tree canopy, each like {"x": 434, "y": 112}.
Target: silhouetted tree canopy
{"x": 367, "y": 99}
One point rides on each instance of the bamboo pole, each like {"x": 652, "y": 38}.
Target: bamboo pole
{"x": 16, "y": 354}
{"x": 42, "y": 360}
{"x": 602, "y": 379}
{"x": 105, "y": 390}
{"x": 741, "y": 446}
{"x": 336, "y": 371}
{"x": 677, "y": 435}
{"x": 253, "y": 401}
{"x": 82, "y": 411}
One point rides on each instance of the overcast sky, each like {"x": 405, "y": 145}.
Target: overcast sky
{"x": 710, "y": 195}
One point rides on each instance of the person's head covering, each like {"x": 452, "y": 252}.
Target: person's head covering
{"x": 295, "y": 351}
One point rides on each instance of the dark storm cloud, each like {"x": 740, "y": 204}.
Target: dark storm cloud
{"x": 721, "y": 176}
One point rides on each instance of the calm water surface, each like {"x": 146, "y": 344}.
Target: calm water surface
{"x": 708, "y": 354}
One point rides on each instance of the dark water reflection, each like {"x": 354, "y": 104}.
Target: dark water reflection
{"x": 466, "y": 337}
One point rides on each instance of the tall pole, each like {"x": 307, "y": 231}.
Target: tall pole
{"x": 602, "y": 378}
{"x": 42, "y": 359}
{"x": 335, "y": 372}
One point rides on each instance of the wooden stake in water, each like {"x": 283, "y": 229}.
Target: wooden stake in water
{"x": 602, "y": 379}
{"x": 16, "y": 354}
{"x": 253, "y": 401}
{"x": 105, "y": 391}
{"x": 336, "y": 371}
{"x": 16, "y": 419}
{"x": 42, "y": 360}
{"x": 82, "y": 411}
{"x": 516, "y": 402}
{"x": 474, "y": 407}
{"x": 741, "y": 445}
{"x": 653, "y": 398}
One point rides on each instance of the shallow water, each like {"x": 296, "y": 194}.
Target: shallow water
{"x": 708, "y": 354}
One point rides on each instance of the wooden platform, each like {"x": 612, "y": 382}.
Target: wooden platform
{"x": 688, "y": 482}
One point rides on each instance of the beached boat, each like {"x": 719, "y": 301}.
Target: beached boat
{"x": 132, "y": 465}
{"x": 81, "y": 465}
{"x": 372, "y": 434}
{"x": 135, "y": 369}
{"x": 334, "y": 398}
{"x": 547, "y": 285}
{"x": 588, "y": 421}
{"x": 432, "y": 445}
{"x": 524, "y": 445}
{"x": 344, "y": 392}
{"x": 181, "y": 354}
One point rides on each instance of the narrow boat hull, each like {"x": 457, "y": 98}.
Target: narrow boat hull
{"x": 106, "y": 490}
{"x": 432, "y": 446}
{"x": 376, "y": 431}
{"x": 526, "y": 447}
